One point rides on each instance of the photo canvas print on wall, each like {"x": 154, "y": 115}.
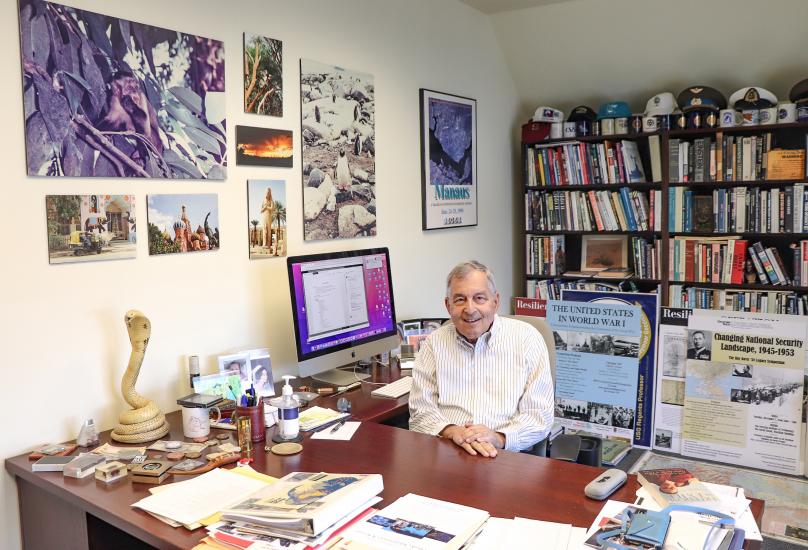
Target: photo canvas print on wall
{"x": 108, "y": 97}
{"x": 263, "y": 147}
{"x": 266, "y": 205}
{"x": 183, "y": 223}
{"x": 90, "y": 227}
{"x": 338, "y": 136}
{"x": 263, "y": 75}
{"x": 448, "y": 160}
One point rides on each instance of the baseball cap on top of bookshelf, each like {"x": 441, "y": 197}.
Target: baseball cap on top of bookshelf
{"x": 752, "y": 97}
{"x": 799, "y": 93}
{"x": 582, "y": 112}
{"x": 547, "y": 114}
{"x": 614, "y": 109}
{"x": 701, "y": 97}
{"x": 660, "y": 104}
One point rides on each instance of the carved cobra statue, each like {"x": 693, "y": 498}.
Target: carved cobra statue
{"x": 145, "y": 422}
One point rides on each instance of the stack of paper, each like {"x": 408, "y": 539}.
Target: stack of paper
{"x": 315, "y": 417}
{"x": 414, "y": 522}
{"x": 514, "y": 533}
{"x": 190, "y": 503}
{"x": 301, "y": 507}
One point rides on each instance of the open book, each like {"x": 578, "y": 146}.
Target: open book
{"x": 306, "y": 503}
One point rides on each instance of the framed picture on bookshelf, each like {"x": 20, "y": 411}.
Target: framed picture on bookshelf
{"x": 601, "y": 252}
{"x": 448, "y": 160}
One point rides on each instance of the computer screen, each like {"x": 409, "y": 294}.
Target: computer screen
{"x": 342, "y": 306}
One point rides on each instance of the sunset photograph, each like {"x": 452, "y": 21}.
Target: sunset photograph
{"x": 263, "y": 147}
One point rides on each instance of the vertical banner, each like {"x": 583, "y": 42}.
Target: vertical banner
{"x": 669, "y": 398}
{"x": 597, "y": 348}
{"x": 643, "y": 422}
{"x": 743, "y": 389}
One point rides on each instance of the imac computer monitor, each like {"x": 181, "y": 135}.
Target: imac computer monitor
{"x": 342, "y": 306}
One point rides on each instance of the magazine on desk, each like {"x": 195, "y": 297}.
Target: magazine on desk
{"x": 306, "y": 503}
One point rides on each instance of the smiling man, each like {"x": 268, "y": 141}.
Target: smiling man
{"x": 482, "y": 381}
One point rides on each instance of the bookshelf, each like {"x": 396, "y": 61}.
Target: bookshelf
{"x": 732, "y": 180}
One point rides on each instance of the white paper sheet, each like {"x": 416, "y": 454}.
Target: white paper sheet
{"x": 193, "y": 500}
{"x": 344, "y": 433}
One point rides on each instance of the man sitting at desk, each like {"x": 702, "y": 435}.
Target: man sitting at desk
{"x": 482, "y": 381}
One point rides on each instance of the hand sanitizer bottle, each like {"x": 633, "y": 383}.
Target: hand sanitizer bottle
{"x": 288, "y": 422}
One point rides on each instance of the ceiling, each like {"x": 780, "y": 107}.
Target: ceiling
{"x": 497, "y": 6}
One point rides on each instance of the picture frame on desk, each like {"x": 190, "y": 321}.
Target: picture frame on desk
{"x": 448, "y": 160}
{"x": 601, "y": 252}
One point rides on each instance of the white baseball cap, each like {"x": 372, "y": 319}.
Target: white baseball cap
{"x": 661, "y": 104}
{"x": 547, "y": 114}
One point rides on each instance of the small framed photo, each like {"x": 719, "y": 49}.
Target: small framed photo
{"x": 601, "y": 252}
{"x": 237, "y": 363}
{"x": 261, "y": 371}
{"x": 448, "y": 160}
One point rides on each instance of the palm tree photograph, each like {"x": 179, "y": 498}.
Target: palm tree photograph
{"x": 263, "y": 75}
{"x": 266, "y": 205}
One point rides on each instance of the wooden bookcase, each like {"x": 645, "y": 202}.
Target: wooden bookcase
{"x": 788, "y": 136}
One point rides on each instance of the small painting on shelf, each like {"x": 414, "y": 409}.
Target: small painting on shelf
{"x": 183, "y": 223}
{"x": 602, "y": 252}
{"x": 448, "y": 160}
{"x": 90, "y": 227}
{"x": 266, "y": 211}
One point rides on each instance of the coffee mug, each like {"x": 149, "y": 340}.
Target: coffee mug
{"x": 196, "y": 421}
{"x": 636, "y": 126}
{"x": 556, "y": 130}
{"x": 650, "y": 124}
{"x": 802, "y": 112}
{"x": 727, "y": 118}
{"x": 621, "y": 125}
{"x": 582, "y": 128}
{"x": 768, "y": 116}
{"x": 751, "y": 117}
{"x": 786, "y": 113}
{"x": 694, "y": 119}
{"x": 569, "y": 130}
{"x": 711, "y": 119}
{"x": 607, "y": 127}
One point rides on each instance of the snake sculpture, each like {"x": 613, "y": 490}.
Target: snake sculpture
{"x": 145, "y": 422}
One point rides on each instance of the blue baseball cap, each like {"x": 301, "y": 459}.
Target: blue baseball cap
{"x": 614, "y": 109}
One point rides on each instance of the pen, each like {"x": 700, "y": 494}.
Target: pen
{"x": 337, "y": 426}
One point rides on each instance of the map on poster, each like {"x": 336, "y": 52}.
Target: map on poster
{"x": 744, "y": 388}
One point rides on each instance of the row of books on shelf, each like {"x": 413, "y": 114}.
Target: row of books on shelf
{"x": 623, "y": 210}
{"x": 550, "y": 289}
{"x": 731, "y": 260}
{"x": 546, "y": 256}
{"x": 756, "y": 301}
{"x": 732, "y": 158}
{"x": 577, "y": 163}
{"x": 739, "y": 209}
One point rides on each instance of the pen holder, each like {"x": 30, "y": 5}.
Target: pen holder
{"x": 258, "y": 429}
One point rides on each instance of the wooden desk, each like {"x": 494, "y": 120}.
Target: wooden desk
{"x": 58, "y": 512}
{"x": 364, "y": 406}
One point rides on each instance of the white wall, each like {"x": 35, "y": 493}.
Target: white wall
{"x": 62, "y": 337}
{"x": 590, "y": 51}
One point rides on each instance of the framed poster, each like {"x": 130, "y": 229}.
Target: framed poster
{"x": 448, "y": 160}
{"x": 112, "y": 98}
{"x": 601, "y": 252}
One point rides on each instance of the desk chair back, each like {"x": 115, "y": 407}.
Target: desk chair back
{"x": 546, "y": 332}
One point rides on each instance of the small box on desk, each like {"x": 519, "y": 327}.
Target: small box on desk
{"x": 535, "y": 131}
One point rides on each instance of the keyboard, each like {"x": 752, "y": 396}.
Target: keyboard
{"x": 394, "y": 390}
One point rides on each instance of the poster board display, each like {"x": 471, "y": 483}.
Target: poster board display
{"x": 670, "y": 378}
{"x": 597, "y": 347}
{"x": 744, "y": 388}
{"x": 643, "y": 425}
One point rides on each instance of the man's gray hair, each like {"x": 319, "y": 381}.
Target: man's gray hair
{"x": 462, "y": 270}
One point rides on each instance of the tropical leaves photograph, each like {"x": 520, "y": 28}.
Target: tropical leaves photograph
{"x": 108, "y": 97}
{"x": 263, "y": 75}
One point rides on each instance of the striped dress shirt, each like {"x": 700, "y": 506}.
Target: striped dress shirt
{"x": 502, "y": 381}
